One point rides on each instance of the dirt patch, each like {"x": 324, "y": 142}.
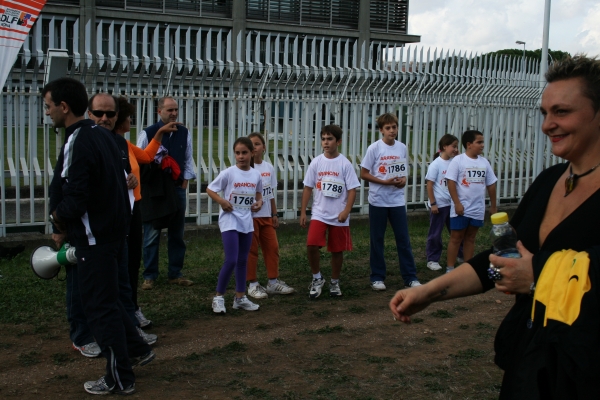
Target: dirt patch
{"x": 348, "y": 348}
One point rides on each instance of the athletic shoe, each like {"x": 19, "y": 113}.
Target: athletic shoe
{"x": 142, "y": 360}
{"x": 258, "y": 292}
{"x": 279, "y": 287}
{"x": 334, "y": 289}
{"x": 181, "y": 282}
{"x": 100, "y": 387}
{"x": 378, "y": 285}
{"x": 315, "y": 287}
{"x": 414, "y": 284}
{"x": 149, "y": 338}
{"x": 218, "y": 305}
{"x": 89, "y": 350}
{"x": 244, "y": 304}
{"x": 148, "y": 284}
{"x": 449, "y": 269}
{"x": 432, "y": 265}
{"x": 460, "y": 260}
{"x": 144, "y": 322}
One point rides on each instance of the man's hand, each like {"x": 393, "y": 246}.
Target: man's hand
{"x": 59, "y": 239}
{"x": 275, "y": 221}
{"x": 132, "y": 181}
{"x": 59, "y": 224}
{"x": 303, "y": 220}
{"x": 184, "y": 184}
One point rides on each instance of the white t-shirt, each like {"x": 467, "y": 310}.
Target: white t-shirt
{"x": 384, "y": 162}
{"x": 330, "y": 179}
{"x": 269, "y": 185}
{"x": 436, "y": 173}
{"x": 472, "y": 176}
{"x": 240, "y": 188}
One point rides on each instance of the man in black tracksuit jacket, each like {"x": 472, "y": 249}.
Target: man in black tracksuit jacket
{"x": 93, "y": 207}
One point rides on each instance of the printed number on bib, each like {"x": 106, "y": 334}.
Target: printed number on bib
{"x": 267, "y": 192}
{"x": 396, "y": 170}
{"x": 475, "y": 175}
{"x": 331, "y": 187}
{"x": 241, "y": 201}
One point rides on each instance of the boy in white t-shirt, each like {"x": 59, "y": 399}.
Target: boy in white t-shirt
{"x": 335, "y": 181}
{"x": 385, "y": 168}
{"x": 468, "y": 176}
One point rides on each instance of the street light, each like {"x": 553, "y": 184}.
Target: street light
{"x": 523, "y": 43}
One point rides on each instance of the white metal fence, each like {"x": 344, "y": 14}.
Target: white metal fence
{"x": 287, "y": 88}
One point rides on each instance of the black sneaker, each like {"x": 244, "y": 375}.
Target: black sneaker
{"x": 142, "y": 360}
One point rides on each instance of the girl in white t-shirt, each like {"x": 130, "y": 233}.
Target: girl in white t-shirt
{"x": 266, "y": 222}
{"x": 439, "y": 199}
{"x": 242, "y": 194}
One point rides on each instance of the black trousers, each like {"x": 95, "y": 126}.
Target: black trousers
{"x": 134, "y": 247}
{"x": 113, "y": 329}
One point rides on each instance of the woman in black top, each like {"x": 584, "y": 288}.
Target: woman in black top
{"x": 545, "y": 359}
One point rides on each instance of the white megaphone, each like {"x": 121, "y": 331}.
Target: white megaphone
{"x": 45, "y": 261}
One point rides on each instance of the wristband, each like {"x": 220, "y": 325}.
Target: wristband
{"x": 274, "y": 215}
{"x": 433, "y": 204}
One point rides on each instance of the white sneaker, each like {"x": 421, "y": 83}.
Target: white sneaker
{"x": 432, "y": 265}
{"x": 279, "y": 287}
{"x": 460, "y": 260}
{"x": 414, "y": 284}
{"x": 144, "y": 322}
{"x": 258, "y": 292}
{"x": 315, "y": 287}
{"x": 334, "y": 289}
{"x": 378, "y": 285}
{"x": 449, "y": 269}
{"x": 89, "y": 350}
{"x": 218, "y": 305}
{"x": 244, "y": 304}
{"x": 149, "y": 338}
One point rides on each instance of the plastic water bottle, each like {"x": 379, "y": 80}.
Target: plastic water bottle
{"x": 503, "y": 236}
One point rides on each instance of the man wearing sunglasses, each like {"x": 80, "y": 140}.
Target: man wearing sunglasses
{"x": 103, "y": 109}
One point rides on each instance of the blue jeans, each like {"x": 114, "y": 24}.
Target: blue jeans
{"x": 79, "y": 330}
{"x": 175, "y": 243}
{"x": 378, "y": 218}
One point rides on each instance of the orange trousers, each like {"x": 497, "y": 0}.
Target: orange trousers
{"x": 264, "y": 236}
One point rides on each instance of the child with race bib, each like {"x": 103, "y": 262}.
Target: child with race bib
{"x": 335, "y": 182}
{"x": 439, "y": 200}
{"x": 266, "y": 222}
{"x": 242, "y": 194}
{"x": 384, "y": 167}
{"x": 468, "y": 176}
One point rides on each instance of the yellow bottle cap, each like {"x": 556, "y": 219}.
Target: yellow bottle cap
{"x": 499, "y": 218}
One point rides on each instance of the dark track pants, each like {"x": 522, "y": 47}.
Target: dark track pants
{"x": 114, "y": 331}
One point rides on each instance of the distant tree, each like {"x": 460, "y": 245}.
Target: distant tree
{"x": 535, "y": 54}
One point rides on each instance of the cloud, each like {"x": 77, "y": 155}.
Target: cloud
{"x": 489, "y": 25}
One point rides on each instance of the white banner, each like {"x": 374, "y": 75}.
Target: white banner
{"x": 16, "y": 19}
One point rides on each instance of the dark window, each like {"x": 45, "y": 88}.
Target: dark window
{"x": 111, "y": 3}
{"x": 389, "y": 15}
{"x": 61, "y": 2}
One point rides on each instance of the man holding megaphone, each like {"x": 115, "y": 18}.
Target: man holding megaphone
{"x": 90, "y": 203}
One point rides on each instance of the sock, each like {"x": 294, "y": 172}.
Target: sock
{"x": 253, "y": 284}
{"x": 273, "y": 281}
{"x": 317, "y": 275}
{"x": 335, "y": 281}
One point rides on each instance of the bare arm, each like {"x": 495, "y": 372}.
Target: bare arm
{"x": 460, "y": 210}
{"x": 225, "y": 205}
{"x": 461, "y": 282}
{"x": 274, "y": 213}
{"x": 434, "y": 208}
{"x": 305, "y": 198}
{"x": 343, "y": 216}
{"x": 492, "y": 192}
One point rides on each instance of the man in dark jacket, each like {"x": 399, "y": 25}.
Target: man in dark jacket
{"x": 93, "y": 208}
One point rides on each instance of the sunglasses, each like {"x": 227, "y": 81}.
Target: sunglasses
{"x": 100, "y": 113}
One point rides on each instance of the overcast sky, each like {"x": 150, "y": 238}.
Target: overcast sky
{"x": 489, "y": 25}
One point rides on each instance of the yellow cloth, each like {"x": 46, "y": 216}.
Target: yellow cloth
{"x": 561, "y": 285}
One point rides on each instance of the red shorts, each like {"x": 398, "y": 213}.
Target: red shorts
{"x": 338, "y": 239}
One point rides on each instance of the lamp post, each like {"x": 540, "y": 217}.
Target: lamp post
{"x": 523, "y": 43}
